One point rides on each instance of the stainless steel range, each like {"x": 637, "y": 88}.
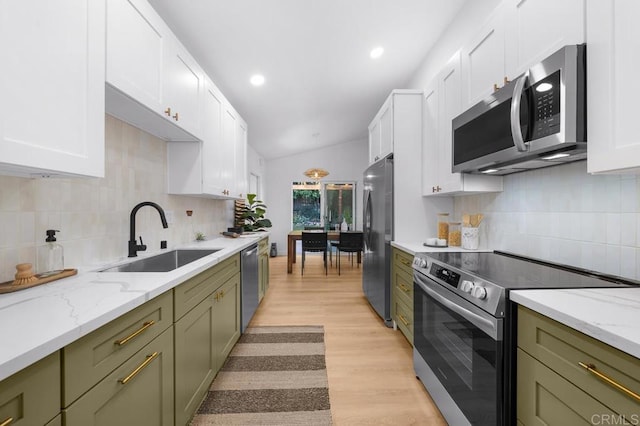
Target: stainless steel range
{"x": 464, "y": 327}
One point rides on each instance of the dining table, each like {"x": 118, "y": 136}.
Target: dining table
{"x": 296, "y": 235}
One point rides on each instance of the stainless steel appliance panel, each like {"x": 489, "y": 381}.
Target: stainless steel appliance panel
{"x": 458, "y": 354}
{"x": 249, "y": 294}
{"x": 537, "y": 120}
{"x": 378, "y": 234}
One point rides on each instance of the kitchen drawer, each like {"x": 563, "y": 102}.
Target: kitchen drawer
{"x": 545, "y": 397}
{"x": 402, "y": 260}
{"x": 193, "y": 291}
{"x": 145, "y": 397}
{"x": 403, "y": 316}
{"x": 87, "y": 360}
{"x": 561, "y": 348}
{"x": 403, "y": 286}
{"x": 32, "y": 395}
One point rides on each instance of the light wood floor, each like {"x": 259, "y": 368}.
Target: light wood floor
{"x": 369, "y": 366}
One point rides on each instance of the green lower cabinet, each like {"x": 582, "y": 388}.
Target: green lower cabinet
{"x": 139, "y": 392}
{"x": 553, "y": 387}
{"x": 32, "y": 395}
{"x": 203, "y": 339}
{"x": 195, "y": 361}
{"x": 402, "y": 292}
{"x": 226, "y": 319}
{"x": 263, "y": 268}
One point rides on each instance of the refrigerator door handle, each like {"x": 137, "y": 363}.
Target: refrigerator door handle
{"x": 367, "y": 222}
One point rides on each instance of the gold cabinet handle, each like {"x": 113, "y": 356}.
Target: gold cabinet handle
{"x": 134, "y": 334}
{"x": 495, "y": 87}
{"x": 175, "y": 117}
{"x": 405, "y": 262}
{"x": 168, "y": 111}
{"x": 7, "y": 422}
{"x": 404, "y": 288}
{"x": 404, "y": 320}
{"x": 591, "y": 368}
{"x": 135, "y": 372}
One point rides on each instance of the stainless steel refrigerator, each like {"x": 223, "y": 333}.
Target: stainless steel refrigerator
{"x": 378, "y": 234}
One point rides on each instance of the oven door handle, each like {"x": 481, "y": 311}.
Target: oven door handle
{"x": 516, "y": 133}
{"x": 483, "y": 324}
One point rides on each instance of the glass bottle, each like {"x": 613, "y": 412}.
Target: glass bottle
{"x": 50, "y": 256}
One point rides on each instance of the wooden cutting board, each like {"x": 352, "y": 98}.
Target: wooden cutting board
{"x": 8, "y": 287}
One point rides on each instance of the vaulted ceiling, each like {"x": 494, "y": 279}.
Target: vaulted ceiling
{"x": 321, "y": 85}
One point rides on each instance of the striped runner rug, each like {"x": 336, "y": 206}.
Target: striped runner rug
{"x": 275, "y": 375}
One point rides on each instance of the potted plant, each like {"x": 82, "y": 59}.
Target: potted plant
{"x": 252, "y": 215}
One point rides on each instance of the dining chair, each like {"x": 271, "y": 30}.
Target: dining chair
{"x": 314, "y": 242}
{"x": 350, "y": 242}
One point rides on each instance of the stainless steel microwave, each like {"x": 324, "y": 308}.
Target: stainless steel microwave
{"x": 537, "y": 120}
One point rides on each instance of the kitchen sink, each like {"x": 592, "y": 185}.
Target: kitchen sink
{"x": 164, "y": 262}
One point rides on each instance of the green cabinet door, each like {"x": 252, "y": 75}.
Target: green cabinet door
{"x": 139, "y": 392}
{"x": 195, "y": 359}
{"x": 263, "y": 267}
{"x": 546, "y": 398}
{"x": 32, "y": 396}
{"x": 226, "y": 319}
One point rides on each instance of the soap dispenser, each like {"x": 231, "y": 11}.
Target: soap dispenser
{"x": 51, "y": 256}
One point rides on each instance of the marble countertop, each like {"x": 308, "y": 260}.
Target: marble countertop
{"x": 413, "y": 247}
{"x": 610, "y": 315}
{"x": 40, "y": 320}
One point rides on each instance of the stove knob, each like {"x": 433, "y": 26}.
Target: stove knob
{"x": 479, "y": 292}
{"x": 423, "y": 263}
{"x": 420, "y": 263}
{"x": 467, "y": 286}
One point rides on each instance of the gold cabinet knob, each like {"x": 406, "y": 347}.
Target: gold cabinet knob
{"x": 168, "y": 111}
{"x": 175, "y": 117}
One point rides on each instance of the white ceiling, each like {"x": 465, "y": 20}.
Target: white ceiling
{"x": 321, "y": 88}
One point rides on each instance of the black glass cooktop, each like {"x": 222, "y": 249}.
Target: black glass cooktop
{"x": 515, "y": 272}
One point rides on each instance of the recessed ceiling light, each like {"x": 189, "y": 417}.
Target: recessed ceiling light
{"x": 257, "y": 80}
{"x": 376, "y": 52}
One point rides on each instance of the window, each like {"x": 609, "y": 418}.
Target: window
{"x": 323, "y": 205}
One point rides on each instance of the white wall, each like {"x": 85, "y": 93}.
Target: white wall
{"x": 561, "y": 214}
{"x": 565, "y": 215}
{"x": 257, "y": 165}
{"x": 344, "y": 162}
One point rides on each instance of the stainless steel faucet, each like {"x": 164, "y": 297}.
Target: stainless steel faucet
{"x": 134, "y": 247}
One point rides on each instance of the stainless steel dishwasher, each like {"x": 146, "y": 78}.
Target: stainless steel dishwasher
{"x": 249, "y": 274}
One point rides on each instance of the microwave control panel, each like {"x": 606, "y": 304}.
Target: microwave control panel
{"x": 544, "y": 99}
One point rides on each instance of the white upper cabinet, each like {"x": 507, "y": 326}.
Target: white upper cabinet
{"x": 183, "y": 86}
{"x": 381, "y": 132}
{"x": 518, "y": 34}
{"x": 483, "y": 60}
{"x": 537, "y": 28}
{"x": 153, "y": 82}
{"x": 443, "y": 101}
{"x": 52, "y": 87}
{"x": 430, "y": 140}
{"x": 215, "y": 167}
{"x": 241, "y": 159}
{"x": 613, "y": 87}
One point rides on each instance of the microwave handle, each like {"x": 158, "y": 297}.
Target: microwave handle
{"x": 518, "y": 141}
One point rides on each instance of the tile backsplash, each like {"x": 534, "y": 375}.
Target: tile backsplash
{"x": 564, "y": 215}
{"x": 93, "y": 214}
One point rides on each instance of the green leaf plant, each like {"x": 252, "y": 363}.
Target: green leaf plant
{"x": 253, "y": 215}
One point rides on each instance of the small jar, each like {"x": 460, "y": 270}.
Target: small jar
{"x": 455, "y": 234}
{"x": 443, "y": 226}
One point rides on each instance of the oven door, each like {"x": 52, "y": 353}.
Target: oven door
{"x": 458, "y": 355}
